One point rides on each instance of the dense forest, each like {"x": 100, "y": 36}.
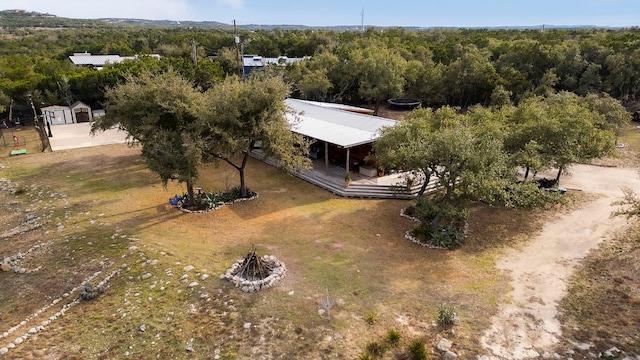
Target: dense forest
{"x": 457, "y": 67}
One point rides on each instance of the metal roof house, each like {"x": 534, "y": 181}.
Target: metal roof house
{"x": 251, "y": 63}
{"x": 100, "y": 61}
{"x": 343, "y": 128}
{"x": 342, "y": 137}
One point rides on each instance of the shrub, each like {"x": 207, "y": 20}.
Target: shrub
{"x": 446, "y": 315}
{"x": 416, "y": 350}
{"x": 410, "y": 211}
{"x": 88, "y": 291}
{"x": 211, "y": 200}
{"x": 529, "y": 195}
{"x": 448, "y": 238}
{"x": 393, "y": 338}
{"x": 375, "y": 349}
{"x": 327, "y": 303}
{"x": 371, "y": 317}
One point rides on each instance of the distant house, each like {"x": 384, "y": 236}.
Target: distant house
{"x": 251, "y": 63}
{"x": 100, "y": 61}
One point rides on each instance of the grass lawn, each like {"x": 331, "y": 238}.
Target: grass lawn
{"x": 99, "y": 210}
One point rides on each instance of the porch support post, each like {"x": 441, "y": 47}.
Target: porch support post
{"x": 326, "y": 158}
{"x": 348, "y": 150}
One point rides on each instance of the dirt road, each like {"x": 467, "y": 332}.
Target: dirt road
{"x": 527, "y": 327}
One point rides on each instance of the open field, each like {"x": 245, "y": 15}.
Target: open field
{"x": 99, "y": 213}
{"x": 101, "y": 210}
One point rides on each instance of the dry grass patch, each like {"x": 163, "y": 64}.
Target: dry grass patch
{"x": 604, "y": 295}
{"x": 117, "y": 216}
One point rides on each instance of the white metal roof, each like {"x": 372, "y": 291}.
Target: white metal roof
{"x": 339, "y": 127}
{"x": 102, "y": 60}
{"x": 259, "y": 61}
{"x": 95, "y": 60}
{"x": 340, "y": 107}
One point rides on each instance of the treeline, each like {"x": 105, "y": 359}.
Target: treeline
{"x": 440, "y": 67}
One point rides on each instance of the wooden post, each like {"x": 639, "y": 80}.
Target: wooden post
{"x": 326, "y": 158}
{"x": 348, "y": 152}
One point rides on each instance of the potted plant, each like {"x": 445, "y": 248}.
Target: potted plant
{"x": 380, "y": 171}
{"x": 347, "y": 178}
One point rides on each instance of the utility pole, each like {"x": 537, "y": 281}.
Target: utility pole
{"x": 194, "y": 53}
{"x": 362, "y": 19}
{"x": 237, "y": 41}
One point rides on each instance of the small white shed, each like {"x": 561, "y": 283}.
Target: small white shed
{"x": 57, "y": 115}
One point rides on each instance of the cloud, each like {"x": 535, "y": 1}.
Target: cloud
{"x": 236, "y": 4}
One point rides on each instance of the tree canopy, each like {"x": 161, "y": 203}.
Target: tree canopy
{"x": 243, "y": 116}
{"x": 159, "y": 111}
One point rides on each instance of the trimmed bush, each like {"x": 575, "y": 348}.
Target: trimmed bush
{"x": 89, "y": 292}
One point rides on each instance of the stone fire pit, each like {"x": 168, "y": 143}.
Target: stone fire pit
{"x": 253, "y": 273}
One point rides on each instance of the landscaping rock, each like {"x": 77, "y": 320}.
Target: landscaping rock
{"x": 449, "y": 356}
{"x": 444, "y": 345}
{"x": 5, "y": 267}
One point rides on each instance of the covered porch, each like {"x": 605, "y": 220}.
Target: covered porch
{"x": 340, "y": 144}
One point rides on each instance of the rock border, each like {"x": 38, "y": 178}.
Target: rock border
{"x": 66, "y": 307}
{"x": 218, "y": 206}
{"x": 408, "y": 236}
{"x": 249, "y": 286}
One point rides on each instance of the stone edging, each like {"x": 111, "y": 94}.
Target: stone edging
{"x": 11, "y": 262}
{"x": 36, "y": 329}
{"x": 218, "y": 206}
{"x": 249, "y": 286}
{"x": 411, "y": 238}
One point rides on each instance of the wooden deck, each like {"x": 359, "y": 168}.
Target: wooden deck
{"x": 384, "y": 187}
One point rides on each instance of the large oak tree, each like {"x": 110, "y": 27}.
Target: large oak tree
{"x": 159, "y": 112}
{"x": 239, "y": 117}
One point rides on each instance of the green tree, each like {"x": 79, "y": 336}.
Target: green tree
{"x": 616, "y": 117}
{"x": 380, "y": 73}
{"x": 159, "y": 112}
{"x": 557, "y": 131}
{"x": 471, "y": 78}
{"x": 4, "y": 101}
{"x": 243, "y": 116}
{"x": 465, "y": 157}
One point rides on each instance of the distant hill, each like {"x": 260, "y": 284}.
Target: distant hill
{"x": 166, "y": 23}
{"x": 24, "y": 18}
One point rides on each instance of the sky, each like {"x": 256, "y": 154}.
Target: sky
{"x": 422, "y": 13}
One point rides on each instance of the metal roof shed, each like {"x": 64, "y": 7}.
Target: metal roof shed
{"x": 333, "y": 126}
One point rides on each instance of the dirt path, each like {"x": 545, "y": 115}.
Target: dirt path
{"x": 527, "y": 327}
